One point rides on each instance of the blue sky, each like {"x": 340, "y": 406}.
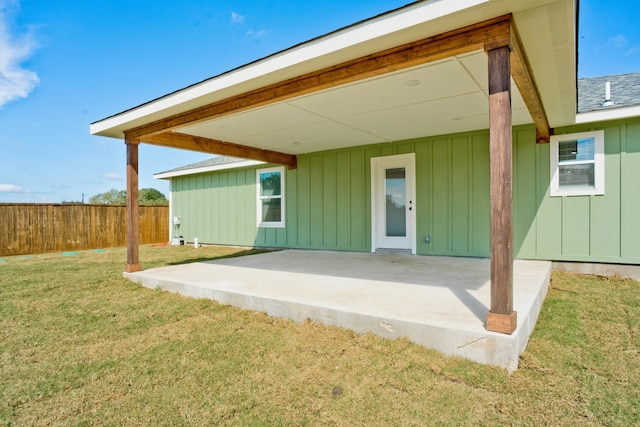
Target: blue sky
{"x": 65, "y": 64}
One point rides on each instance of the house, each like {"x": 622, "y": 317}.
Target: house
{"x": 200, "y": 194}
{"x": 440, "y": 128}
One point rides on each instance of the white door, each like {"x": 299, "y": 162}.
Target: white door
{"x": 393, "y": 204}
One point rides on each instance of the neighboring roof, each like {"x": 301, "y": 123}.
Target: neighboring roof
{"x": 209, "y": 165}
{"x": 625, "y": 92}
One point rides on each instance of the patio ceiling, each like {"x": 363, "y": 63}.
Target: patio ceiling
{"x": 446, "y": 96}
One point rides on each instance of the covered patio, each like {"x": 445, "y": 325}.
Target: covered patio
{"x": 429, "y": 68}
{"x": 439, "y": 302}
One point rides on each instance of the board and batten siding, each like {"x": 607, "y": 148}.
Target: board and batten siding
{"x": 579, "y": 228}
{"x": 328, "y": 200}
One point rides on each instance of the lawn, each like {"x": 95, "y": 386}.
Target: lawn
{"x": 79, "y": 345}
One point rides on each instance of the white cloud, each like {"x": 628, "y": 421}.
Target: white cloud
{"x": 113, "y": 176}
{"x": 239, "y": 19}
{"x": 618, "y": 41}
{"x": 236, "y": 18}
{"x": 255, "y": 35}
{"x": 15, "y": 81}
{"x": 634, "y": 50}
{"x": 12, "y": 188}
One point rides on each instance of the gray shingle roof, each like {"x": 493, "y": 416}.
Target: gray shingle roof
{"x": 214, "y": 161}
{"x": 625, "y": 92}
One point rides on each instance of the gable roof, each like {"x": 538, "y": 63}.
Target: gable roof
{"x": 625, "y": 92}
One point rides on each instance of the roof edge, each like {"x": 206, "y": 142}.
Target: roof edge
{"x": 249, "y": 64}
{"x": 606, "y": 115}
{"x": 205, "y": 169}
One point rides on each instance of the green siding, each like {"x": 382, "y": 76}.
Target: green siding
{"x": 440, "y": 189}
{"x": 480, "y": 230}
{"x": 357, "y": 197}
{"x": 330, "y": 206}
{"x": 525, "y": 194}
{"x": 579, "y": 228}
{"x": 575, "y": 226}
{"x": 343, "y": 208}
{"x": 460, "y": 189}
{"x": 452, "y": 180}
{"x": 328, "y": 200}
{"x": 630, "y": 188}
{"x": 423, "y": 195}
{"x": 303, "y": 206}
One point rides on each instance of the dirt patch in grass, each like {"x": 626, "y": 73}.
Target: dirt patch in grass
{"x": 80, "y": 345}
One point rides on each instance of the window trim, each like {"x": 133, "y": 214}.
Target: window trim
{"x": 259, "y": 198}
{"x": 598, "y": 162}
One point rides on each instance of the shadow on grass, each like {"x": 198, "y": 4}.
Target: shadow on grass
{"x": 232, "y": 255}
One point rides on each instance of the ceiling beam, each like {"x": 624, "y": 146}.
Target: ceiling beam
{"x": 522, "y": 76}
{"x": 212, "y": 146}
{"x": 495, "y": 31}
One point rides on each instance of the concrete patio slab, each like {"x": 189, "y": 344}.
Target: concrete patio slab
{"x": 438, "y": 302}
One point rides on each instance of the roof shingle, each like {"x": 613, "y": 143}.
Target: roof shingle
{"x": 625, "y": 92}
{"x": 214, "y": 161}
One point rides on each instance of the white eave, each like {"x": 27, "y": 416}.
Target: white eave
{"x": 608, "y": 114}
{"x": 554, "y": 69}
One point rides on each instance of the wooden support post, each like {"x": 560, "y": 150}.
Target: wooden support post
{"x": 501, "y": 317}
{"x": 133, "y": 258}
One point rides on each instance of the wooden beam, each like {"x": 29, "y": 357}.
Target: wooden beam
{"x": 501, "y": 317}
{"x": 206, "y": 145}
{"x": 495, "y": 31}
{"x": 523, "y": 77}
{"x": 133, "y": 254}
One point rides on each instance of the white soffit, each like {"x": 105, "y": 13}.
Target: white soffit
{"x": 551, "y": 52}
{"x": 548, "y": 34}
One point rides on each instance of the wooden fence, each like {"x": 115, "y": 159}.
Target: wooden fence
{"x": 40, "y": 228}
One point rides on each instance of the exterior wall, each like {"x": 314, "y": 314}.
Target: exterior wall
{"x": 328, "y": 200}
{"x": 579, "y": 228}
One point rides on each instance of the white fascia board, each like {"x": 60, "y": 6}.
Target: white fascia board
{"x": 611, "y": 114}
{"x": 375, "y": 28}
{"x": 171, "y": 174}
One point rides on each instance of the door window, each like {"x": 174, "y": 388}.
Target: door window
{"x": 396, "y": 202}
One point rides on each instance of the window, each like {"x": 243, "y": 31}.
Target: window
{"x": 577, "y": 164}
{"x": 270, "y": 197}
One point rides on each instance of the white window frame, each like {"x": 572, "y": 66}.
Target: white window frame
{"x": 259, "y": 198}
{"x": 598, "y": 162}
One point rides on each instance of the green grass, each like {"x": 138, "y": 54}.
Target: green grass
{"x": 79, "y": 345}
